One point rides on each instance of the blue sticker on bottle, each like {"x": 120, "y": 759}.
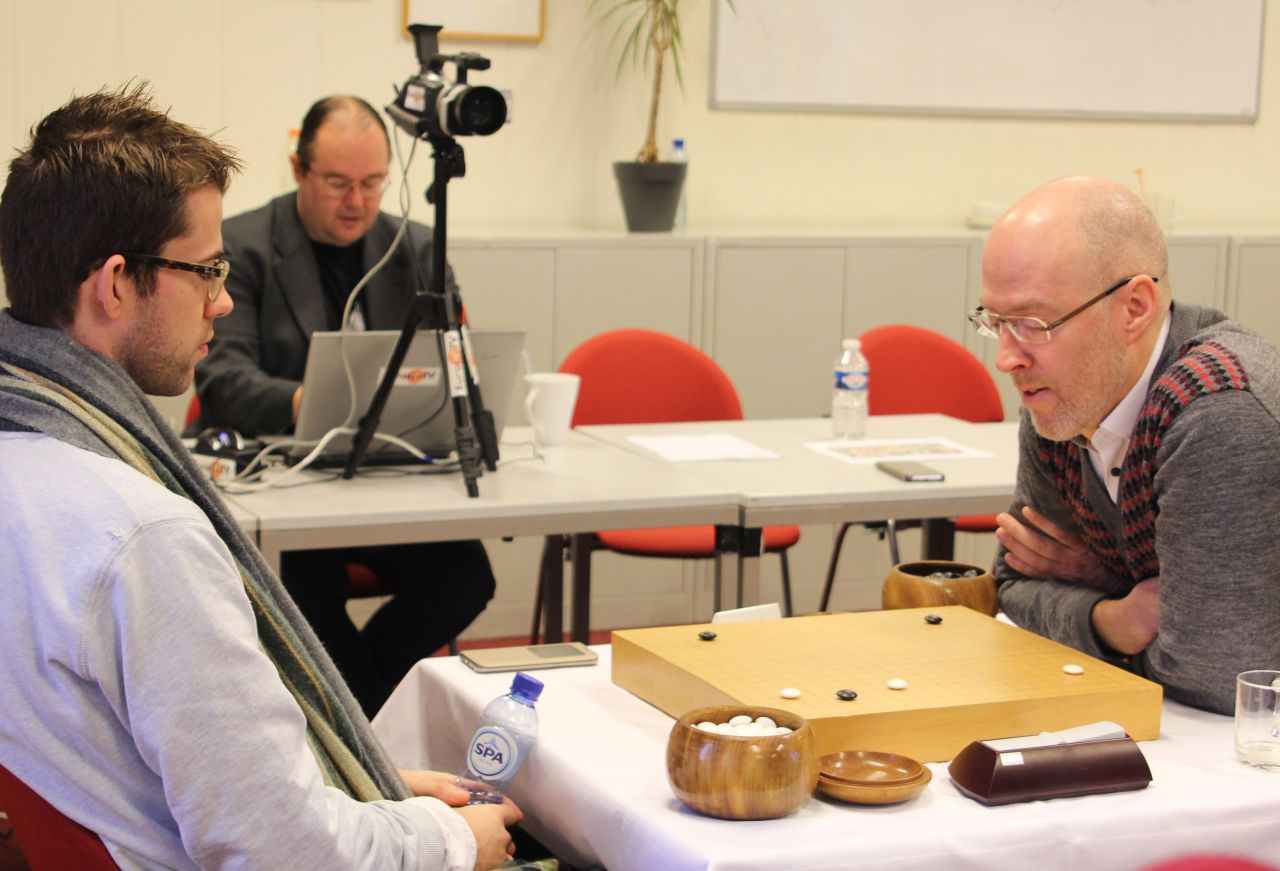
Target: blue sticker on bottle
{"x": 493, "y": 753}
{"x": 855, "y": 380}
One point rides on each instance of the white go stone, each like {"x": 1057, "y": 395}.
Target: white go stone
{"x": 766, "y": 723}
{"x": 1072, "y": 668}
{"x": 740, "y": 720}
{"x": 897, "y": 683}
{"x": 724, "y": 729}
{"x": 707, "y": 726}
{"x": 782, "y": 730}
{"x": 789, "y": 693}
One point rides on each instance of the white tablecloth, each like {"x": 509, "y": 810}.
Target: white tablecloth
{"x": 595, "y": 790}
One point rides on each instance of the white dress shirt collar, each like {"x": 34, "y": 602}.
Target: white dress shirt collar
{"x": 1110, "y": 441}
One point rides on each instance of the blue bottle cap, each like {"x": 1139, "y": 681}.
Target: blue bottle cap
{"x": 526, "y": 688}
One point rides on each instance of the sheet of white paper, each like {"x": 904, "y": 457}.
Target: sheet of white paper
{"x": 768, "y": 611}
{"x": 868, "y": 451}
{"x": 700, "y": 448}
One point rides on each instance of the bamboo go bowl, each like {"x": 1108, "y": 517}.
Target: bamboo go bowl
{"x": 737, "y": 777}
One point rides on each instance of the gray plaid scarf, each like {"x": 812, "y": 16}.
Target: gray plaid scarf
{"x": 51, "y": 384}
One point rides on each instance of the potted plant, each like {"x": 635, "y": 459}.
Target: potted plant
{"x": 649, "y": 31}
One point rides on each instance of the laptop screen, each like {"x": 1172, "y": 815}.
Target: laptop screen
{"x": 417, "y": 410}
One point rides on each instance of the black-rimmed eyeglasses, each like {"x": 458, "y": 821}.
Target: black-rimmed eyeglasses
{"x": 216, "y": 272}
{"x": 1033, "y": 331}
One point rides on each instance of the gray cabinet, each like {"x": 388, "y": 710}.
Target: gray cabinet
{"x": 1198, "y": 269}
{"x": 604, "y": 287}
{"x": 565, "y": 289}
{"x": 1255, "y": 272}
{"x": 778, "y": 308}
{"x": 776, "y": 316}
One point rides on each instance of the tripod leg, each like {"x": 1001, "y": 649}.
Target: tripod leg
{"x": 481, "y": 418}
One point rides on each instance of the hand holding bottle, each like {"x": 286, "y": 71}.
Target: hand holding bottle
{"x": 489, "y": 823}
{"x": 435, "y": 784}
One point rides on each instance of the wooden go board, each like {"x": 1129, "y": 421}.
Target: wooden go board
{"x": 970, "y": 677}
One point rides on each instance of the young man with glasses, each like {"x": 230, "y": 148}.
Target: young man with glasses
{"x": 1150, "y": 448}
{"x": 296, "y": 260}
{"x": 159, "y": 687}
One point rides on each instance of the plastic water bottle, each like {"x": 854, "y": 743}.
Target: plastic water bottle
{"x": 849, "y": 397}
{"x": 679, "y": 155}
{"x": 503, "y": 740}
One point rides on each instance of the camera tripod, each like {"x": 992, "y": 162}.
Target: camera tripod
{"x": 474, "y": 430}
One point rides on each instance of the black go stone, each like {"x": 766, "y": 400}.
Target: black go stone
{"x": 932, "y": 619}
{"x": 846, "y": 695}
{"x": 707, "y": 635}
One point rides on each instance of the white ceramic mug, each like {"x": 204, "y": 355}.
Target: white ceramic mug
{"x": 549, "y": 405}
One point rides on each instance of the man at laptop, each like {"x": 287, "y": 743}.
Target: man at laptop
{"x": 297, "y": 258}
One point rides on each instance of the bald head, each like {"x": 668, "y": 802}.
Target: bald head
{"x": 342, "y": 111}
{"x": 1088, "y": 231}
{"x": 1085, "y": 259}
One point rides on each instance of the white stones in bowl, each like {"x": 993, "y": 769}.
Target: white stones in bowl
{"x": 744, "y": 726}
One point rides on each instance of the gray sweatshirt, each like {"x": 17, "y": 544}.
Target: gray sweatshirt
{"x": 1216, "y": 483}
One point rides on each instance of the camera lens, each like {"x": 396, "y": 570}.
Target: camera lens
{"x": 477, "y": 111}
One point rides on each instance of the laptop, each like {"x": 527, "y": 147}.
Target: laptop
{"x": 417, "y": 410}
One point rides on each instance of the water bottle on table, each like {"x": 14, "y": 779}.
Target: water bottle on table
{"x": 849, "y": 396}
{"x": 678, "y": 154}
{"x": 503, "y": 740}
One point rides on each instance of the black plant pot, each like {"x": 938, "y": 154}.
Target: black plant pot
{"x": 650, "y": 194}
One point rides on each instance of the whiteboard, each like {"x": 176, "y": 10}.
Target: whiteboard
{"x": 1177, "y": 59}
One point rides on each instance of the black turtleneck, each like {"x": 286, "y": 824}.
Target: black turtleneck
{"x": 340, "y": 269}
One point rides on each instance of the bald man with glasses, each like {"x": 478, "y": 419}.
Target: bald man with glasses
{"x": 296, "y": 260}
{"x": 1144, "y": 527}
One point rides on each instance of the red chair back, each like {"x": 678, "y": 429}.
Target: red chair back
{"x": 193, "y": 411}
{"x": 641, "y": 376}
{"x": 918, "y": 371}
{"x": 50, "y": 840}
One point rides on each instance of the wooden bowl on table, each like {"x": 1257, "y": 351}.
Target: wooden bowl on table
{"x": 908, "y": 585}
{"x": 742, "y": 777}
{"x": 870, "y": 777}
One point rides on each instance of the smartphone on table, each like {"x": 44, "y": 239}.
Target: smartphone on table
{"x": 908, "y": 471}
{"x": 529, "y": 657}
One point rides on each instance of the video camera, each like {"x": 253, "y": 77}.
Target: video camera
{"x": 431, "y": 105}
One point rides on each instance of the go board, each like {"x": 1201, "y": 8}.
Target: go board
{"x": 969, "y": 678}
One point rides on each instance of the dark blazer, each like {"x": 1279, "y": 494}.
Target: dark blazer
{"x": 259, "y": 351}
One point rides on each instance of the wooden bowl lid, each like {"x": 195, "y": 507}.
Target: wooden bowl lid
{"x": 869, "y": 767}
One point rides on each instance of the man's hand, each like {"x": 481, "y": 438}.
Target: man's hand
{"x": 489, "y": 824}
{"x": 1064, "y": 556}
{"x": 436, "y": 784}
{"x": 297, "y": 402}
{"x": 1128, "y": 625}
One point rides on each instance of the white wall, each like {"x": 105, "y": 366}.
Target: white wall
{"x": 249, "y": 69}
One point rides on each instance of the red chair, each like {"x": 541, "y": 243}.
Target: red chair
{"x": 918, "y": 371}
{"x": 1211, "y": 862}
{"x": 641, "y": 376}
{"x": 50, "y": 840}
